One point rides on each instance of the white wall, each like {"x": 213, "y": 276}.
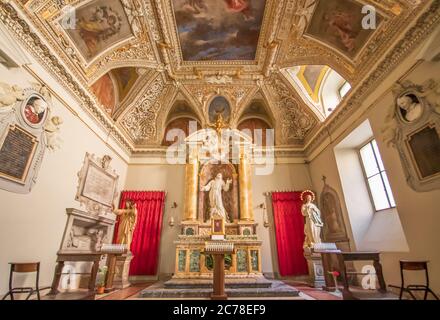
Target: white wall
{"x": 418, "y": 212}
{"x": 171, "y": 178}
{"x": 32, "y": 225}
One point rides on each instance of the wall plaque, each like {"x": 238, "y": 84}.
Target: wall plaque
{"x": 23, "y": 137}
{"x": 16, "y": 154}
{"x": 97, "y": 184}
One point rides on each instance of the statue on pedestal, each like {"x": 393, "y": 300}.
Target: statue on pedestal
{"x": 313, "y": 219}
{"x": 215, "y": 188}
{"x": 127, "y": 223}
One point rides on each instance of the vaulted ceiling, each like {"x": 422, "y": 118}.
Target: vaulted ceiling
{"x": 129, "y": 61}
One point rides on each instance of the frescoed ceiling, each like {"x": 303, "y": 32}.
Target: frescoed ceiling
{"x": 99, "y": 26}
{"x": 113, "y": 87}
{"x": 155, "y": 52}
{"x": 219, "y": 30}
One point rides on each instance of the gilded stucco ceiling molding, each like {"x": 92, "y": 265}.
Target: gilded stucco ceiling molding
{"x": 145, "y": 76}
{"x": 301, "y": 50}
{"x": 203, "y": 94}
{"x": 140, "y": 119}
{"x": 236, "y": 115}
{"x": 424, "y": 26}
{"x": 171, "y": 48}
{"x": 136, "y": 50}
{"x": 305, "y": 53}
{"x": 192, "y": 102}
{"x": 19, "y": 27}
{"x": 294, "y": 120}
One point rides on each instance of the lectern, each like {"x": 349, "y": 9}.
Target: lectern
{"x": 218, "y": 247}
{"x": 113, "y": 251}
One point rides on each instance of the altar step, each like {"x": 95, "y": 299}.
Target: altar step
{"x": 235, "y": 288}
{"x": 251, "y": 283}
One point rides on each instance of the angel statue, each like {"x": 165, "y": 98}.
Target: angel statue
{"x": 127, "y": 223}
{"x": 313, "y": 223}
{"x": 52, "y": 130}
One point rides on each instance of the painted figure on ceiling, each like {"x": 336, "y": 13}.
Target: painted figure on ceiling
{"x": 242, "y": 6}
{"x": 342, "y": 24}
{"x": 195, "y": 6}
{"x": 103, "y": 24}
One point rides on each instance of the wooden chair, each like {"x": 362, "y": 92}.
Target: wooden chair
{"x": 406, "y": 265}
{"x": 33, "y": 267}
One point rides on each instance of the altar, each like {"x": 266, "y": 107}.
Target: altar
{"x": 218, "y": 175}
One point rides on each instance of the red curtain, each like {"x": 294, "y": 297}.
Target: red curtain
{"x": 146, "y": 236}
{"x": 289, "y": 229}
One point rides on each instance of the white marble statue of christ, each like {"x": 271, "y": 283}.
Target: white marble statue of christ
{"x": 215, "y": 188}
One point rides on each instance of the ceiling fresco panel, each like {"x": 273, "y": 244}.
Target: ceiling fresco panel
{"x": 338, "y": 23}
{"x": 99, "y": 25}
{"x": 219, "y": 30}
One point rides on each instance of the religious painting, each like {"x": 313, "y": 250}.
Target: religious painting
{"x": 104, "y": 91}
{"x": 258, "y": 129}
{"x": 338, "y": 23}
{"x": 182, "y": 125}
{"x": 219, "y": 106}
{"x": 410, "y": 107}
{"x": 218, "y": 226}
{"x": 99, "y": 26}
{"x": 334, "y": 226}
{"x": 125, "y": 78}
{"x": 219, "y": 30}
{"x": 425, "y": 149}
{"x": 311, "y": 78}
{"x": 35, "y": 111}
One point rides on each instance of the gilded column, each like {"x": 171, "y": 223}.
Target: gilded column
{"x": 192, "y": 180}
{"x": 246, "y": 209}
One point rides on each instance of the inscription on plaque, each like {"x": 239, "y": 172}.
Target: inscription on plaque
{"x": 16, "y": 154}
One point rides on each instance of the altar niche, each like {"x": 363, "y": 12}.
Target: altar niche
{"x": 236, "y": 202}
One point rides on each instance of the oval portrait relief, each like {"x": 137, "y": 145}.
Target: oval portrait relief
{"x": 410, "y": 107}
{"x": 35, "y": 111}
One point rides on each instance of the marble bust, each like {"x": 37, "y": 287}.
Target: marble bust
{"x": 410, "y": 107}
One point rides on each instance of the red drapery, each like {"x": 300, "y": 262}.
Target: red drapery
{"x": 289, "y": 226}
{"x": 146, "y": 236}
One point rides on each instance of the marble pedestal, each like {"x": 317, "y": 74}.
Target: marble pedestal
{"x": 315, "y": 265}
{"x": 122, "y": 270}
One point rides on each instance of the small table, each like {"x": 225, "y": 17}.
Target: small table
{"x": 76, "y": 257}
{"x": 368, "y": 256}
